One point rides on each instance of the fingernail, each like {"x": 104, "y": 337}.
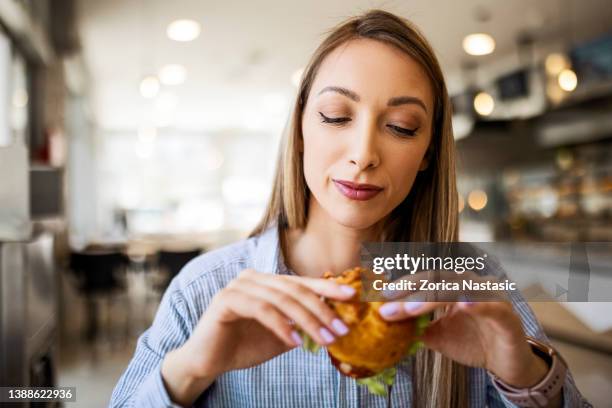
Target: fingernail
{"x": 349, "y": 290}
{"x": 412, "y": 306}
{"x": 466, "y": 303}
{"x": 296, "y": 338}
{"x": 326, "y": 334}
{"x": 339, "y": 327}
{"x": 389, "y": 309}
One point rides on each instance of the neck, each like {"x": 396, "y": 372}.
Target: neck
{"x": 324, "y": 244}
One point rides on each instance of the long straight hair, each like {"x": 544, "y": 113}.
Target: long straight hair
{"x": 429, "y": 211}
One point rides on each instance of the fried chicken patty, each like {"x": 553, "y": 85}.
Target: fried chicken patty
{"x": 372, "y": 344}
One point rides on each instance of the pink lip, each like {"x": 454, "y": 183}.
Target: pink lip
{"x": 356, "y": 191}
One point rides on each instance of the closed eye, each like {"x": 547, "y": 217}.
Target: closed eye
{"x": 403, "y": 131}
{"x": 326, "y": 119}
{"x": 397, "y": 129}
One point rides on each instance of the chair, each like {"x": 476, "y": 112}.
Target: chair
{"x": 171, "y": 263}
{"x": 99, "y": 275}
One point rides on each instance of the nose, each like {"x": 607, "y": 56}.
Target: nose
{"x": 364, "y": 152}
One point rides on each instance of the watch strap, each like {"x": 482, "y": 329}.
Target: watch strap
{"x": 540, "y": 394}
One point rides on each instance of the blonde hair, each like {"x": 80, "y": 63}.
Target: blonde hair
{"x": 429, "y": 211}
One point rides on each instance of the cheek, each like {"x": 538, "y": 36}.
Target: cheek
{"x": 403, "y": 167}
{"x": 320, "y": 154}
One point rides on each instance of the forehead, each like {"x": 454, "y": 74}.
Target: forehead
{"x": 375, "y": 71}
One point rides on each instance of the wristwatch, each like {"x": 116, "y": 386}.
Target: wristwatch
{"x": 540, "y": 394}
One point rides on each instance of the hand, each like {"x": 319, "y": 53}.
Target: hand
{"x": 484, "y": 334}
{"x": 249, "y": 322}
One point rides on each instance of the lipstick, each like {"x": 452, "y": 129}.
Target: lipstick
{"x": 357, "y": 191}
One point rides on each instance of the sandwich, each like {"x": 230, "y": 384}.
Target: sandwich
{"x": 373, "y": 346}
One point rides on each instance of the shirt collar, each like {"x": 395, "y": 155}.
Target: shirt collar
{"x": 268, "y": 254}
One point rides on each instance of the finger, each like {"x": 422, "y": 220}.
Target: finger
{"x": 250, "y": 307}
{"x": 433, "y": 337}
{"x": 325, "y": 287}
{"x": 500, "y": 315}
{"x": 393, "y": 311}
{"x": 310, "y": 300}
{"x": 410, "y": 284}
{"x": 291, "y": 308}
{"x": 440, "y": 286}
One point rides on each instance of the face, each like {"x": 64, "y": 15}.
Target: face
{"x": 366, "y": 129}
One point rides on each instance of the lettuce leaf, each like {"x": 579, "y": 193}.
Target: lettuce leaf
{"x": 378, "y": 383}
{"x": 308, "y": 343}
{"x": 421, "y": 324}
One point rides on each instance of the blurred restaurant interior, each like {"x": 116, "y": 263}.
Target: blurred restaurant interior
{"x": 136, "y": 134}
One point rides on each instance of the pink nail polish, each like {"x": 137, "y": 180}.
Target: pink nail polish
{"x": 389, "y": 309}
{"x": 296, "y": 338}
{"x": 326, "y": 334}
{"x": 340, "y": 327}
{"x": 412, "y": 306}
{"x": 349, "y": 290}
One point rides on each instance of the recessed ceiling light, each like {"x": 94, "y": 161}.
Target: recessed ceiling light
{"x": 478, "y": 44}
{"x": 183, "y": 30}
{"x": 149, "y": 87}
{"x": 568, "y": 80}
{"x": 484, "y": 104}
{"x": 172, "y": 74}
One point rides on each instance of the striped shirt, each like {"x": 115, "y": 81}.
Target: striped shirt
{"x": 294, "y": 379}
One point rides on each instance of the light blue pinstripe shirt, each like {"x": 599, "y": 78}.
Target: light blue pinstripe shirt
{"x": 294, "y": 379}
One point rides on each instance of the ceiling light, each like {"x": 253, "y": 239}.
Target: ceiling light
{"x": 183, "y": 30}
{"x": 478, "y": 44}
{"x": 477, "y": 200}
{"x": 296, "y": 77}
{"x": 462, "y": 125}
{"x": 567, "y": 80}
{"x": 149, "y": 87}
{"x": 484, "y": 104}
{"x": 172, "y": 74}
{"x": 555, "y": 63}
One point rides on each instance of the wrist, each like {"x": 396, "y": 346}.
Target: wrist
{"x": 546, "y": 392}
{"x": 531, "y": 371}
{"x": 183, "y": 380}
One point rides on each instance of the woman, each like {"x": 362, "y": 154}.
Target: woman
{"x": 368, "y": 156}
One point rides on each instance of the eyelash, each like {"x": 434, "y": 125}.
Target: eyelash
{"x": 340, "y": 121}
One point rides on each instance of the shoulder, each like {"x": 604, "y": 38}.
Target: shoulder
{"x": 192, "y": 290}
{"x": 220, "y": 265}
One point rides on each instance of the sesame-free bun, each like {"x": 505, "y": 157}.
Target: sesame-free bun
{"x": 372, "y": 343}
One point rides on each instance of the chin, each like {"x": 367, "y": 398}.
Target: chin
{"x": 354, "y": 218}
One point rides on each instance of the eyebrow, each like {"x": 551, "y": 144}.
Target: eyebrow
{"x": 398, "y": 100}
